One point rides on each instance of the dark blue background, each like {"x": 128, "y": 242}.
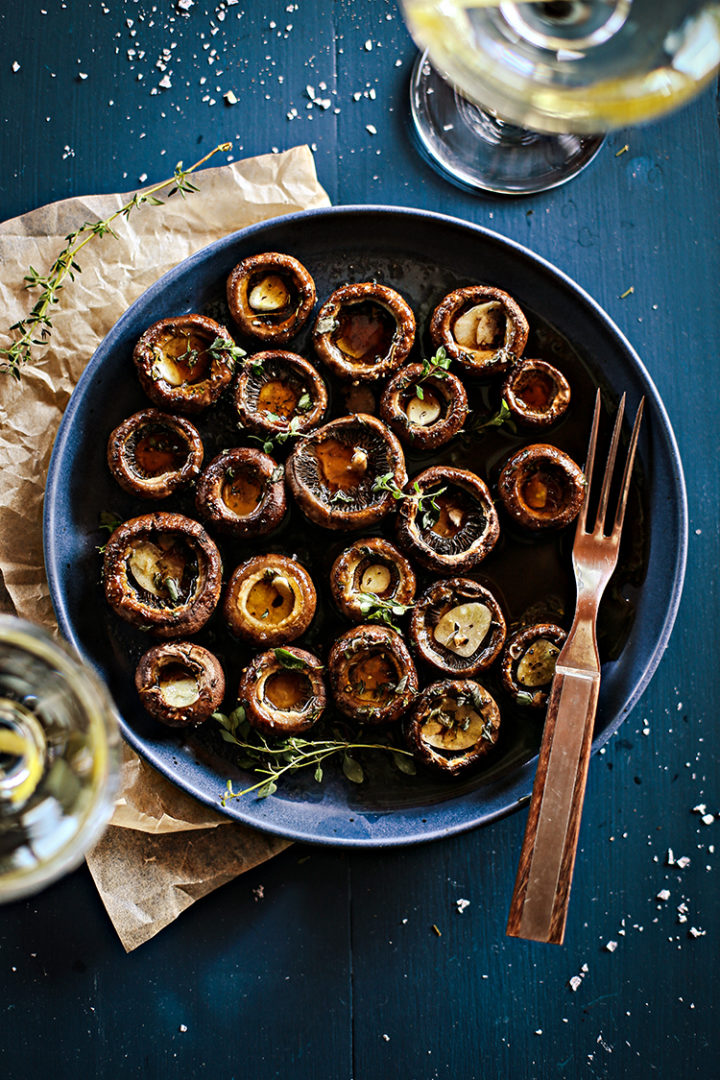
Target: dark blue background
{"x": 340, "y": 953}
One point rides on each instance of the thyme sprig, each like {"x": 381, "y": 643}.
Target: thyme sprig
{"x": 376, "y": 609}
{"x": 426, "y": 501}
{"x": 502, "y": 418}
{"x": 270, "y": 443}
{"x": 437, "y": 365}
{"x": 273, "y": 761}
{"x": 35, "y": 330}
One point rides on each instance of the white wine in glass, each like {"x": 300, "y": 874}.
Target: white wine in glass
{"x": 511, "y": 97}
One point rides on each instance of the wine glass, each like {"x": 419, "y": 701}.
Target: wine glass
{"x": 59, "y": 758}
{"x": 511, "y": 97}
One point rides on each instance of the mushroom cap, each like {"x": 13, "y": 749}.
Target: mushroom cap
{"x": 407, "y": 413}
{"x": 453, "y": 726}
{"x": 490, "y": 348}
{"x": 270, "y": 391}
{"x": 299, "y": 691}
{"x": 371, "y": 565}
{"x": 375, "y": 325}
{"x": 537, "y": 393}
{"x": 242, "y": 493}
{"x": 270, "y": 600}
{"x": 372, "y": 675}
{"x": 541, "y": 487}
{"x": 274, "y": 327}
{"x": 458, "y": 626}
{"x": 180, "y": 683}
{"x": 528, "y": 662}
{"x": 179, "y": 364}
{"x": 154, "y": 454}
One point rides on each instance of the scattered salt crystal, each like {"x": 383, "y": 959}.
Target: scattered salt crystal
{"x": 682, "y": 862}
{"x": 368, "y": 45}
{"x": 371, "y": 128}
{"x": 183, "y": 1027}
{"x": 707, "y": 819}
{"x": 664, "y": 894}
{"x": 15, "y": 65}
{"x": 386, "y": 1038}
{"x": 230, "y": 98}
{"x": 165, "y": 82}
{"x": 461, "y": 905}
{"x": 538, "y": 1031}
{"x": 574, "y": 983}
{"x": 142, "y": 178}
{"x": 695, "y": 933}
{"x": 611, "y": 946}
{"x": 82, "y": 75}
{"x": 259, "y": 890}
{"x": 185, "y": 5}
{"x": 700, "y": 808}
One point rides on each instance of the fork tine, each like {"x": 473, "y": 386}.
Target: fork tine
{"x": 609, "y": 468}
{"x": 622, "y": 501}
{"x": 589, "y": 463}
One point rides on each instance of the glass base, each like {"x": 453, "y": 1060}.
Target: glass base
{"x": 478, "y": 150}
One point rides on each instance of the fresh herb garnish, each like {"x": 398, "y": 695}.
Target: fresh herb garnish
{"x": 341, "y": 497}
{"x": 502, "y": 418}
{"x": 375, "y": 609}
{"x": 270, "y": 442}
{"x": 437, "y": 365}
{"x": 426, "y": 501}
{"x": 290, "y": 660}
{"x": 305, "y": 402}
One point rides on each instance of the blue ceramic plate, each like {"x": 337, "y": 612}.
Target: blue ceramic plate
{"x": 424, "y": 256}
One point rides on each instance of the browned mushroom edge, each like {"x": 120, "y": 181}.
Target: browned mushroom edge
{"x": 458, "y": 626}
{"x": 334, "y": 472}
{"x": 528, "y": 662}
{"x": 153, "y": 454}
{"x": 283, "y": 691}
{"x": 162, "y": 573}
{"x": 453, "y": 726}
{"x": 242, "y": 493}
{"x": 185, "y": 363}
{"x": 364, "y": 331}
{"x": 481, "y": 327}
{"x": 269, "y": 600}
{"x": 426, "y": 412}
{"x": 277, "y": 389}
{"x": 372, "y": 675}
{"x": 541, "y": 487}
{"x": 180, "y": 683}
{"x": 536, "y": 393}
{"x": 372, "y": 568}
{"x": 270, "y": 296}
{"x": 450, "y": 532}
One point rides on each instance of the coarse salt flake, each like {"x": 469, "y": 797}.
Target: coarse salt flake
{"x": 230, "y": 98}
{"x": 462, "y": 905}
{"x": 611, "y": 946}
{"x": 371, "y": 129}
{"x": 664, "y": 894}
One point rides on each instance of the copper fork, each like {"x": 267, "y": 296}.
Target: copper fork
{"x": 539, "y": 905}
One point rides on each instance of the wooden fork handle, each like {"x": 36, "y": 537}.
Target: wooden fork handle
{"x": 538, "y": 909}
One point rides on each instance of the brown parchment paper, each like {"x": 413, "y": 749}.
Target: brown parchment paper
{"x": 163, "y": 849}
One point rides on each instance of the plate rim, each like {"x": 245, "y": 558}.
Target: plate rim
{"x": 679, "y": 508}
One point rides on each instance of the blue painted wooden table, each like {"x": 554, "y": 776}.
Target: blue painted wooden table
{"x": 337, "y": 971}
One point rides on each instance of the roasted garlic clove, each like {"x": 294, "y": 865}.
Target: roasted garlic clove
{"x": 372, "y": 676}
{"x": 184, "y": 363}
{"x": 458, "y": 626}
{"x": 152, "y": 454}
{"x": 334, "y": 473}
{"x": 242, "y": 493}
{"x": 368, "y": 569}
{"x": 364, "y": 331}
{"x": 279, "y": 391}
{"x": 528, "y": 662}
{"x": 163, "y": 573}
{"x": 269, "y": 600}
{"x": 283, "y": 691}
{"x": 453, "y": 726}
{"x": 180, "y": 683}
{"x": 536, "y": 393}
{"x": 450, "y": 523}
{"x": 541, "y": 487}
{"x": 425, "y": 411}
{"x": 270, "y": 296}
{"x": 482, "y": 328}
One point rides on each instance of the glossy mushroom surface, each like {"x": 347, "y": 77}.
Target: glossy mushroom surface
{"x": 528, "y": 663}
{"x": 371, "y": 569}
{"x": 270, "y": 296}
{"x": 482, "y": 328}
{"x": 184, "y": 364}
{"x": 277, "y": 389}
{"x": 453, "y": 726}
{"x": 269, "y": 600}
{"x": 536, "y": 393}
{"x": 283, "y": 691}
{"x": 541, "y": 487}
{"x": 451, "y": 523}
{"x": 180, "y": 683}
{"x": 153, "y": 454}
{"x": 372, "y": 675}
{"x": 458, "y": 626}
{"x": 163, "y": 573}
{"x": 242, "y": 493}
{"x": 424, "y": 411}
{"x": 364, "y": 331}
{"x": 334, "y": 473}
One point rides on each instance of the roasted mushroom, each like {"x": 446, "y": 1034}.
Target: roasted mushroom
{"x": 372, "y": 676}
{"x": 449, "y": 523}
{"x": 337, "y": 473}
{"x": 372, "y": 574}
{"x": 242, "y": 493}
{"x": 283, "y": 691}
{"x": 458, "y": 626}
{"x": 453, "y": 726}
{"x": 163, "y": 573}
{"x": 364, "y": 331}
{"x": 270, "y": 296}
{"x": 152, "y": 454}
{"x": 185, "y": 363}
{"x": 180, "y": 683}
{"x": 482, "y": 328}
{"x": 426, "y": 410}
{"x": 269, "y": 600}
{"x": 541, "y": 487}
{"x": 278, "y": 390}
{"x": 536, "y": 393}
{"x": 528, "y": 662}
